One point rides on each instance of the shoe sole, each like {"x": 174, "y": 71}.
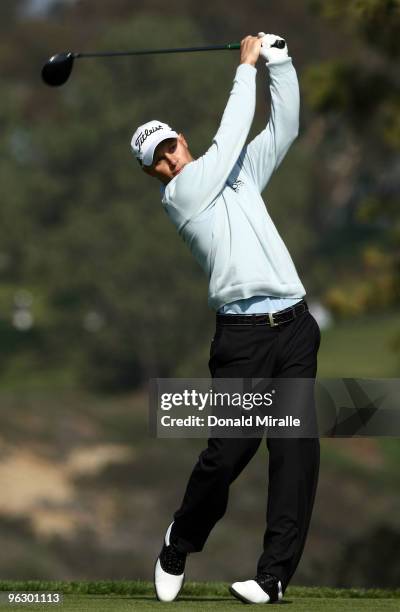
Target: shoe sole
{"x": 247, "y": 601}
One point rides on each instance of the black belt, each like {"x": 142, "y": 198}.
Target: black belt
{"x": 271, "y": 319}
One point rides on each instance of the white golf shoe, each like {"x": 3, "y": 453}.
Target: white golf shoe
{"x": 169, "y": 572}
{"x": 264, "y": 589}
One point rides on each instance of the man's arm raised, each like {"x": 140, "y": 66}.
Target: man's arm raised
{"x": 204, "y": 178}
{"x": 264, "y": 154}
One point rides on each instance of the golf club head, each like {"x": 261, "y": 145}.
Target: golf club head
{"x": 57, "y": 69}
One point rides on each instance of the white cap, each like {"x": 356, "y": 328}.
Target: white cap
{"x": 147, "y": 137}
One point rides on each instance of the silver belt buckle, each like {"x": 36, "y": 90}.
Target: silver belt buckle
{"x": 271, "y": 320}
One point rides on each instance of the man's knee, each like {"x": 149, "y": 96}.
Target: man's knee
{"x": 293, "y": 449}
{"x": 216, "y": 464}
{"x": 228, "y": 460}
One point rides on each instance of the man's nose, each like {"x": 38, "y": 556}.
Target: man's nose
{"x": 171, "y": 159}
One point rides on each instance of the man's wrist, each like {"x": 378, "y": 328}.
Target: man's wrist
{"x": 280, "y": 67}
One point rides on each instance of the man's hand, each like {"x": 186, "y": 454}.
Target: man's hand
{"x": 273, "y": 55}
{"x": 250, "y": 50}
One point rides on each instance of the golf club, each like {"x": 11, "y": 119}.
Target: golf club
{"x": 58, "y": 68}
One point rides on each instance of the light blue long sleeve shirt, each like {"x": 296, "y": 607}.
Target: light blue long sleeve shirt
{"x": 216, "y": 203}
{"x": 258, "y": 304}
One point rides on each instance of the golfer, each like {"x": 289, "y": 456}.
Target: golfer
{"x": 263, "y": 326}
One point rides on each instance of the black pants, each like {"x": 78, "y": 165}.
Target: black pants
{"x": 287, "y": 351}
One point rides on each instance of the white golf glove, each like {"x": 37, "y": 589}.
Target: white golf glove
{"x": 273, "y": 55}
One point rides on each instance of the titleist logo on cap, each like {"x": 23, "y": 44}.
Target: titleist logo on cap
{"x": 144, "y": 135}
{"x": 147, "y": 137}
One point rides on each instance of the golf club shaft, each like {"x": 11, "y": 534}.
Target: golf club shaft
{"x": 228, "y": 46}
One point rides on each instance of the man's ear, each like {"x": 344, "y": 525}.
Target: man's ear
{"x": 182, "y": 140}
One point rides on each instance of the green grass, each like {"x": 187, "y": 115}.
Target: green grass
{"x": 360, "y": 347}
{"x": 130, "y": 604}
{"x": 355, "y": 347}
{"x": 138, "y": 595}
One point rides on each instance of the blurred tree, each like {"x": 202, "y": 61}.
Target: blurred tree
{"x": 115, "y": 293}
{"x": 359, "y": 141}
{"x": 85, "y": 227}
{"x": 358, "y": 567}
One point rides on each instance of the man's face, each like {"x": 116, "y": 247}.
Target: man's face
{"x": 169, "y": 159}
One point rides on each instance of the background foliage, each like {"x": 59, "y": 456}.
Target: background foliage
{"x": 98, "y": 293}
{"x": 87, "y": 251}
